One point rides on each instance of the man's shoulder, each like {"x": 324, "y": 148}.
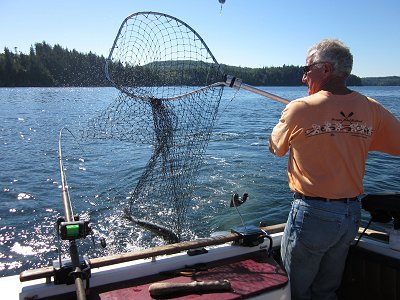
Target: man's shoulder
{"x": 304, "y": 102}
{"x": 314, "y": 97}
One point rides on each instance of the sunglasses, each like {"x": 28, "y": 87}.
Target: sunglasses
{"x": 307, "y": 69}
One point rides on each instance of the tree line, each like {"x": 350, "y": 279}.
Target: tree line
{"x": 55, "y": 66}
{"x": 47, "y": 66}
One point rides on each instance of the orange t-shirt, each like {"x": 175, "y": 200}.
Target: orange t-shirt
{"x": 329, "y": 137}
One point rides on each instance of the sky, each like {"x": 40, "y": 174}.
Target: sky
{"x": 246, "y": 33}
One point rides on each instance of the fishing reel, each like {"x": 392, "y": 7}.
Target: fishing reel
{"x": 251, "y": 235}
{"x": 73, "y": 230}
{"x": 65, "y": 270}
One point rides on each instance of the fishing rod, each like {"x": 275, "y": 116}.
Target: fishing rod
{"x": 70, "y": 228}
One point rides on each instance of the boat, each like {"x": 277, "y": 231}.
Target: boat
{"x": 241, "y": 264}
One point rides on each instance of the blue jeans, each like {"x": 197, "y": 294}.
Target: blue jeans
{"x": 315, "y": 243}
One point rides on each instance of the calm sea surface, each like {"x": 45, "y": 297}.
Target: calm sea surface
{"x": 102, "y": 173}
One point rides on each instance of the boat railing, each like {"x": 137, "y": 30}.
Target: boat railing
{"x": 48, "y": 272}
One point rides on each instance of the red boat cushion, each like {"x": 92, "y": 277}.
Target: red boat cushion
{"x": 248, "y": 276}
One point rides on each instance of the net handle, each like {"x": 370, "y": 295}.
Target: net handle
{"x": 237, "y": 83}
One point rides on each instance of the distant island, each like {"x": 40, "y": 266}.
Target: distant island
{"x": 55, "y": 66}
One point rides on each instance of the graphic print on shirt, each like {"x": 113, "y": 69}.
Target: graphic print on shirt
{"x": 342, "y": 124}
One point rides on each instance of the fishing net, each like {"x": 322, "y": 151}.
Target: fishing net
{"x": 170, "y": 91}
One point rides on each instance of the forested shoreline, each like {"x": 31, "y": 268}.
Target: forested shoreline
{"x": 55, "y": 66}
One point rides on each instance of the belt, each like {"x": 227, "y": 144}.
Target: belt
{"x": 304, "y": 197}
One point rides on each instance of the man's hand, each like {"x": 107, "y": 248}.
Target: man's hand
{"x": 271, "y": 149}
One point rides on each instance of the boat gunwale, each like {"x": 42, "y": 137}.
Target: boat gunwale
{"x": 48, "y": 272}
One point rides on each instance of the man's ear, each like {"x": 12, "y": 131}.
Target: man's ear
{"x": 328, "y": 68}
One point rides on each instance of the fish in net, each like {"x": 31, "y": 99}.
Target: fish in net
{"x": 161, "y": 68}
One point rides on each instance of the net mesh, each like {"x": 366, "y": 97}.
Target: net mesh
{"x": 161, "y": 67}
{"x": 153, "y": 51}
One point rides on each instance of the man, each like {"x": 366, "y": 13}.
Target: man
{"x": 328, "y": 135}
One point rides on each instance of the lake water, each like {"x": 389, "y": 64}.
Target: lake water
{"x": 102, "y": 173}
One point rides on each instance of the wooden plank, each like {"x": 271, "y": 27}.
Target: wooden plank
{"x": 32, "y": 274}
{"x": 174, "y": 248}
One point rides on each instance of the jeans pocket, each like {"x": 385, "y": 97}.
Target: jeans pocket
{"x": 354, "y": 225}
{"x": 318, "y": 229}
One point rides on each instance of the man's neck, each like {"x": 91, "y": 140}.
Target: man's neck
{"x": 337, "y": 87}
